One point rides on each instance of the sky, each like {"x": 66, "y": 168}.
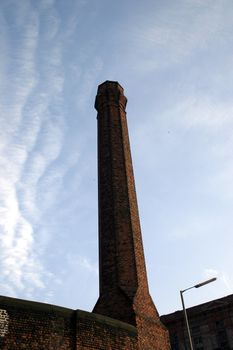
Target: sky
{"x": 174, "y": 60}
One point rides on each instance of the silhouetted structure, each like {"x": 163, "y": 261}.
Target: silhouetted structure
{"x": 211, "y": 326}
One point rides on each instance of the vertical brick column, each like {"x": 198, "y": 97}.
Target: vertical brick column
{"x": 124, "y": 292}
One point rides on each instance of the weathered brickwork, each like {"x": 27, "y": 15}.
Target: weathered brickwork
{"x": 34, "y": 326}
{"x": 101, "y": 332}
{"x": 4, "y": 322}
{"x": 152, "y": 334}
{"x": 124, "y": 292}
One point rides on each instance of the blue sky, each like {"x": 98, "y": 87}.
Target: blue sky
{"x": 174, "y": 60}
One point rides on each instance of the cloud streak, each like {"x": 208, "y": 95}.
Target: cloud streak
{"x": 222, "y": 276}
{"x": 32, "y": 135}
{"x": 172, "y": 35}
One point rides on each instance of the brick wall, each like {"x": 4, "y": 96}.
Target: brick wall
{"x": 36, "y": 326}
{"x": 29, "y": 325}
{"x": 101, "y": 332}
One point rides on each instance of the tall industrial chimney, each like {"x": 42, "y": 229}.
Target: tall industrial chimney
{"x": 124, "y": 292}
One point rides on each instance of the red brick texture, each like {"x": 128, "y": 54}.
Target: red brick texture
{"x": 36, "y": 326}
{"x": 124, "y": 292}
{"x": 101, "y": 332}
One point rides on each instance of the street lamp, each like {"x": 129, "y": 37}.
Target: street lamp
{"x": 185, "y": 313}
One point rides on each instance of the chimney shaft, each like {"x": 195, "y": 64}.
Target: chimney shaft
{"x": 124, "y": 293}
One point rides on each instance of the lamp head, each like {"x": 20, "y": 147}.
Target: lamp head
{"x": 206, "y": 282}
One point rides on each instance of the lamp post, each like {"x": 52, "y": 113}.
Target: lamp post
{"x": 184, "y": 309}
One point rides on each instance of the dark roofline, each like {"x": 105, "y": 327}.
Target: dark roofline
{"x": 198, "y": 309}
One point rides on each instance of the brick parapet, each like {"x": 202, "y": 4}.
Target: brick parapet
{"x": 34, "y": 326}
{"x": 39, "y": 326}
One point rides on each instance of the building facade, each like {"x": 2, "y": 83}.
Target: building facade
{"x": 211, "y": 326}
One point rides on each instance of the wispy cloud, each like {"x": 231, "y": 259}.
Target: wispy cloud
{"x": 191, "y": 227}
{"x": 202, "y": 113}
{"x": 171, "y": 34}
{"x": 220, "y": 182}
{"x": 221, "y": 275}
{"x": 32, "y": 135}
{"x": 89, "y": 77}
{"x": 214, "y": 120}
{"x": 81, "y": 262}
{"x": 88, "y": 265}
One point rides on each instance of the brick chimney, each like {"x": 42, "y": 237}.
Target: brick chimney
{"x": 124, "y": 292}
